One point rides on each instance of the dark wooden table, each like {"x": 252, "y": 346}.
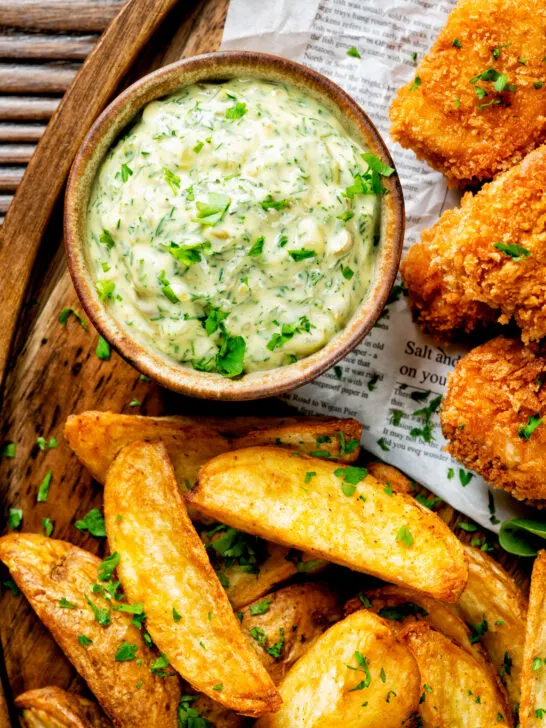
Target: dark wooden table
{"x": 42, "y": 45}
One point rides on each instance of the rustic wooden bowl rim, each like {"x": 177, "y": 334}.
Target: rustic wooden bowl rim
{"x": 119, "y": 113}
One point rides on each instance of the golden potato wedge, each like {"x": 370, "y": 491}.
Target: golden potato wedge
{"x": 97, "y": 437}
{"x": 533, "y": 676}
{"x": 282, "y": 626}
{"x": 492, "y": 600}
{"x": 260, "y": 566}
{"x": 390, "y": 476}
{"x": 337, "y": 439}
{"x": 333, "y": 513}
{"x": 54, "y": 575}
{"x": 400, "y": 607}
{"x": 52, "y": 707}
{"x": 356, "y": 675}
{"x": 457, "y": 692}
{"x": 164, "y": 565}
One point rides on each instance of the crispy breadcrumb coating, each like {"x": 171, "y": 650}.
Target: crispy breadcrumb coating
{"x": 470, "y": 128}
{"x": 493, "y": 395}
{"x": 459, "y": 281}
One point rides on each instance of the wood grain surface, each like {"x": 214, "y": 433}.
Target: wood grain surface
{"x": 54, "y": 370}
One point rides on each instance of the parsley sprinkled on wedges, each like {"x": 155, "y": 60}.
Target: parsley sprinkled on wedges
{"x": 93, "y": 522}
{"x": 351, "y": 477}
{"x": 126, "y": 652}
{"x": 362, "y": 666}
{"x": 516, "y": 252}
{"x": 404, "y": 535}
{"x": 260, "y": 607}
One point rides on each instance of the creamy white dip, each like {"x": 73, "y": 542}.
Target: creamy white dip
{"x": 234, "y": 227}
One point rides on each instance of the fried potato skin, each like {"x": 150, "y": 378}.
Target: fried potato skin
{"x": 464, "y": 142}
{"x": 492, "y": 593}
{"x": 330, "y": 437}
{"x": 97, "y": 437}
{"x": 459, "y": 282}
{"x": 297, "y": 614}
{"x": 164, "y": 565}
{"x": 46, "y": 571}
{"x": 319, "y": 690}
{"x": 52, "y": 707}
{"x": 533, "y": 682}
{"x": 459, "y": 692}
{"x": 263, "y": 491}
{"x": 492, "y": 391}
{"x": 438, "y": 615}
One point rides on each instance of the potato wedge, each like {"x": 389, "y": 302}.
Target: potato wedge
{"x": 337, "y": 439}
{"x": 401, "y": 607}
{"x": 533, "y": 676}
{"x": 164, "y": 565}
{"x": 52, "y": 707}
{"x": 234, "y": 427}
{"x": 311, "y": 504}
{"x": 282, "y": 626}
{"x": 456, "y": 690}
{"x": 492, "y": 595}
{"x": 97, "y": 437}
{"x": 260, "y": 566}
{"x": 356, "y": 675}
{"x": 48, "y": 572}
{"x": 390, "y": 476}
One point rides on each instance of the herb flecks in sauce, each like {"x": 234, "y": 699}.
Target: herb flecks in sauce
{"x": 246, "y": 198}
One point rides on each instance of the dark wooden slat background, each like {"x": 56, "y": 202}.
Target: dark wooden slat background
{"x": 42, "y": 46}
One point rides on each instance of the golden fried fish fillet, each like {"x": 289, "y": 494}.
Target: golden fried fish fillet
{"x": 485, "y": 261}
{"x": 477, "y": 104}
{"x": 492, "y": 416}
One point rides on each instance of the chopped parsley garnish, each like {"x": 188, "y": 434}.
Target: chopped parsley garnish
{"x": 84, "y": 641}
{"x": 399, "y": 612}
{"x": 65, "y": 313}
{"x": 211, "y": 212}
{"x": 197, "y": 148}
{"x": 108, "y": 566}
{"x": 47, "y": 525}
{"x": 429, "y": 503}
{"x": 126, "y": 652}
{"x": 189, "y": 717}
{"x": 172, "y": 179}
{"x": 404, "y": 535}
{"x": 187, "y": 254}
{"x": 347, "y": 272}
{"x": 270, "y": 204}
{"x": 495, "y": 52}
{"x": 516, "y": 252}
{"x": 65, "y": 604}
{"x": 93, "y": 522}
{"x": 15, "y": 517}
{"x": 353, "y": 52}
{"x": 237, "y": 111}
{"x": 416, "y": 83}
{"x": 396, "y": 416}
{"x": 159, "y": 666}
{"x": 351, "y": 477}
{"x": 525, "y": 431}
{"x": 457, "y": 43}
{"x": 383, "y": 444}
{"x": 308, "y": 476}
{"x": 478, "y": 630}
{"x": 468, "y": 527}
{"x": 261, "y": 607}
{"x": 538, "y": 84}
{"x": 135, "y": 403}
{"x": 176, "y": 616}
{"x": 101, "y": 614}
{"x": 8, "y": 450}
{"x": 287, "y": 332}
{"x": 105, "y": 289}
{"x": 106, "y": 239}
{"x": 362, "y": 666}
{"x": 301, "y": 254}
{"x": 465, "y": 477}
{"x": 257, "y": 248}
{"x": 103, "y": 349}
{"x": 12, "y": 586}
{"x": 126, "y": 172}
{"x": 43, "y": 488}
{"x": 537, "y": 663}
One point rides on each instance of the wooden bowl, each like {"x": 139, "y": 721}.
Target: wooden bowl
{"x": 221, "y": 66}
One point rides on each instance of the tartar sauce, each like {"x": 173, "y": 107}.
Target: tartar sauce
{"x": 234, "y": 227}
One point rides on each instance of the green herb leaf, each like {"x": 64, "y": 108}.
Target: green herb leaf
{"x": 65, "y": 313}
{"x": 15, "y": 517}
{"x": 520, "y": 536}
{"x": 516, "y": 252}
{"x": 270, "y": 204}
{"x": 172, "y": 179}
{"x": 399, "y": 612}
{"x": 126, "y": 652}
{"x": 43, "y": 488}
{"x": 352, "y": 474}
{"x": 176, "y": 616}
{"x": 108, "y": 566}
{"x": 375, "y": 164}
{"x": 257, "y": 248}
{"x": 301, "y": 254}
{"x": 404, "y": 535}
{"x": 126, "y": 172}
{"x": 47, "y": 525}
{"x": 84, "y": 641}
{"x": 211, "y": 212}
{"x": 478, "y": 630}
{"x": 65, "y": 604}
{"x": 525, "y": 431}
{"x": 8, "y": 450}
{"x": 105, "y": 289}
{"x": 261, "y": 607}
{"x": 103, "y": 349}
{"x": 101, "y": 614}
{"x": 416, "y": 83}
{"x": 457, "y": 43}
{"x": 353, "y": 52}
{"x": 237, "y": 111}
{"x": 93, "y": 522}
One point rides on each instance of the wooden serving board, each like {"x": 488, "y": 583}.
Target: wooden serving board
{"x": 54, "y": 370}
